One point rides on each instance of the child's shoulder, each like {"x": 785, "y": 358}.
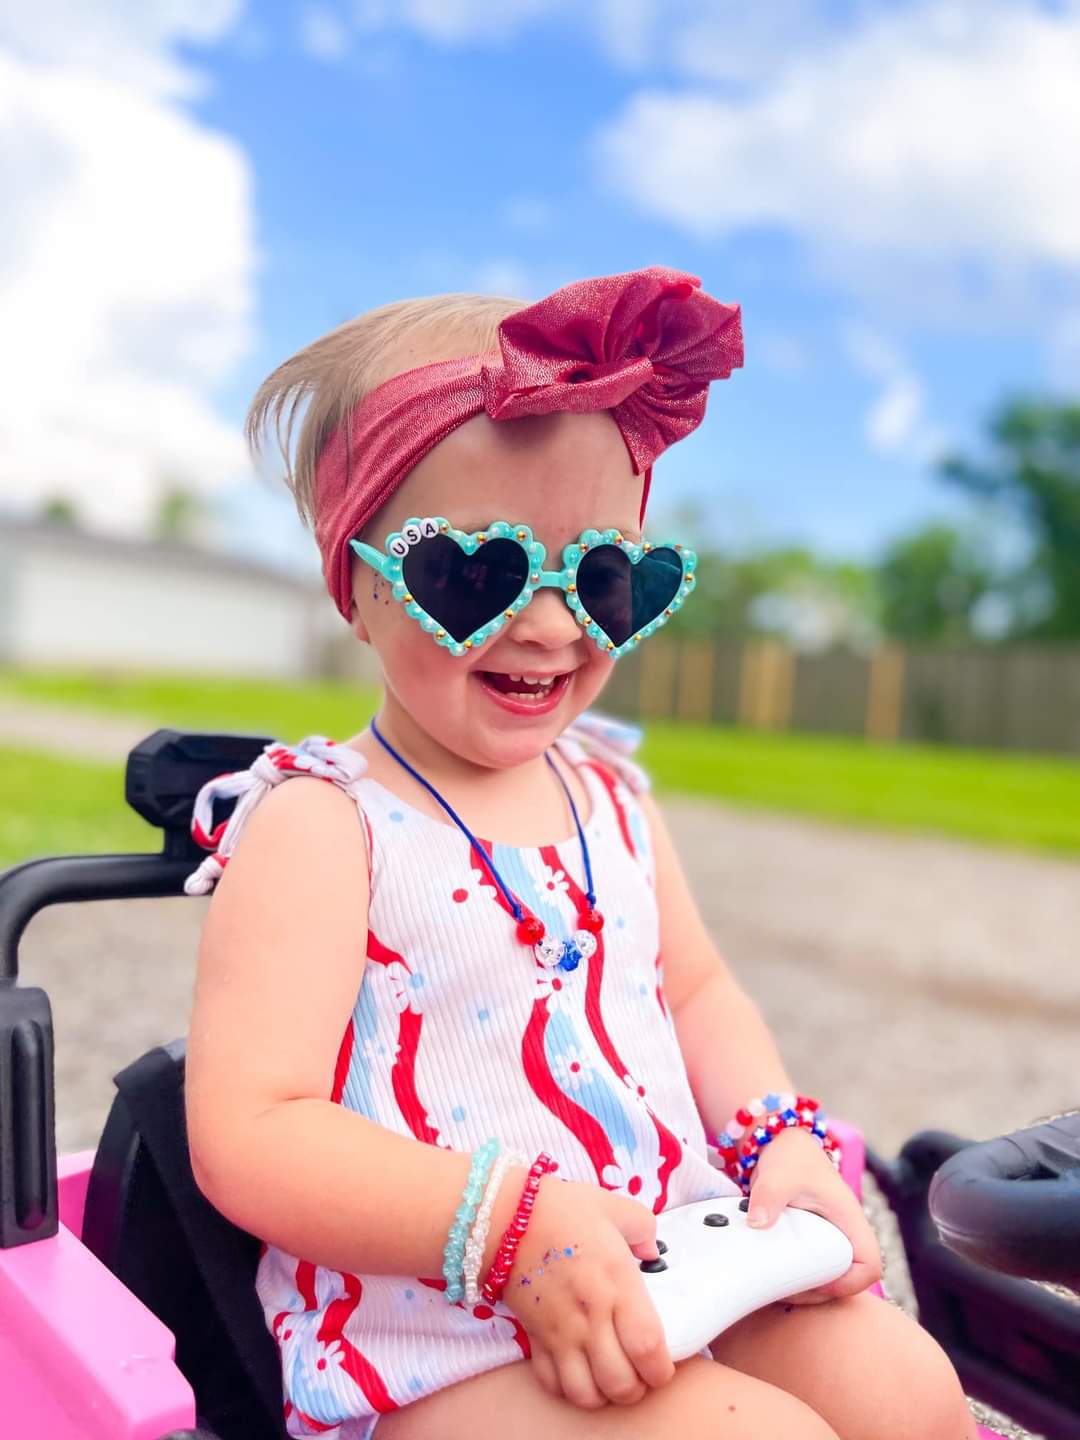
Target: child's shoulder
{"x": 609, "y": 744}
{"x": 296, "y": 818}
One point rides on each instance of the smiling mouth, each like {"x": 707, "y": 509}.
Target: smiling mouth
{"x": 522, "y": 687}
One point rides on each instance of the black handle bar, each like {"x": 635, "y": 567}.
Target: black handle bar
{"x": 1013, "y": 1203}
{"x": 36, "y": 884}
{"x": 163, "y": 776}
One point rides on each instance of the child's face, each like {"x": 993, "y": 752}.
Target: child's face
{"x": 559, "y": 474}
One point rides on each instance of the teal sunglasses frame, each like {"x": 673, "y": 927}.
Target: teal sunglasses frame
{"x": 399, "y": 542}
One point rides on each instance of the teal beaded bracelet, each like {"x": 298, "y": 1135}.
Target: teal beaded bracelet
{"x": 454, "y": 1254}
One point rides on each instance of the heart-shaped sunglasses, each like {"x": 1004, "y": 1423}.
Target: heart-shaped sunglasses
{"x": 463, "y": 588}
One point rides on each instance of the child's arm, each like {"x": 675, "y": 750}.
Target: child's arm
{"x": 280, "y": 963}
{"x": 715, "y": 1020}
{"x": 731, "y": 1056}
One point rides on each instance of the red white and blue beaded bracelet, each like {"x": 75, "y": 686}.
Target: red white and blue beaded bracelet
{"x": 754, "y": 1125}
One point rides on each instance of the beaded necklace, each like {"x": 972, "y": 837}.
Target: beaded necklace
{"x": 549, "y": 951}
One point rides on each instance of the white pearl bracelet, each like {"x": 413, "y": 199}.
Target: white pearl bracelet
{"x": 474, "y": 1246}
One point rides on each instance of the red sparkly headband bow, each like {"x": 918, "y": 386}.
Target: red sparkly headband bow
{"x": 644, "y": 345}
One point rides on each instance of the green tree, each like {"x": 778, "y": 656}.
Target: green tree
{"x": 59, "y": 510}
{"x": 1033, "y": 469}
{"x": 929, "y": 583}
{"x": 788, "y": 590}
{"x": 180, "y": 515}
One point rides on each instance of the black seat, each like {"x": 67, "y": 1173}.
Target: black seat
{"x": 147, "y": 1220}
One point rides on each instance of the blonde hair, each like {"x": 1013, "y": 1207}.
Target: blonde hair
{"x": 328, "y": 378}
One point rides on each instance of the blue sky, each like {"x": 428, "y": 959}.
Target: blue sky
{"x": 889, "y": 189}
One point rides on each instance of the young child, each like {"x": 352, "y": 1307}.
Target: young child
{"x": 458, "y": 942}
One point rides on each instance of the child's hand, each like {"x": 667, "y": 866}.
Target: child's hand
{"x": 794, "y": 1170}
{"x": 594, "y": 1332}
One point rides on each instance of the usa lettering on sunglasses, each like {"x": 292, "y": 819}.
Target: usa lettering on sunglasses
{"x": 462, "y": 587}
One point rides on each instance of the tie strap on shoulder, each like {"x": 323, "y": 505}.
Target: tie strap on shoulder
{"x": 315, "y": 755}
{"x": 611, "y": 743}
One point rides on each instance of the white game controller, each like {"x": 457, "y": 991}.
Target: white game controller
{"x": 714, "y": 1269}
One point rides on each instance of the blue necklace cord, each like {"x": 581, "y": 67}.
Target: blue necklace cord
{"x": 590, "y": 894}
{"x": 511, "y": 900}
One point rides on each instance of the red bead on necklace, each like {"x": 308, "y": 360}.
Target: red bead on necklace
{"x": 530, "y": 930}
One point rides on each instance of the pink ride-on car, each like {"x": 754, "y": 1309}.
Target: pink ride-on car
{"x": 127, "y": 1303}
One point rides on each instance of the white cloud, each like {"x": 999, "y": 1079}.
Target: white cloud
{"x": 126, "y": 41}
{"x": 896, "y": 412}
{"x": 322, "y": 34}
{"x": 896, "y": 421}
{"x": 934, "y": 134}
{"x": 455, "y": 22}
{"x": 723, "y": 39}
{"x": 126, "y": 262}
{"x": 626, "y": 30}
{"x": 736, "y": 43}
{"x": 504, "y": 276}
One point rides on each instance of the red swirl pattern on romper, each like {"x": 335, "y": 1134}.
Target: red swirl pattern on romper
{"x": 459, "y": 1032}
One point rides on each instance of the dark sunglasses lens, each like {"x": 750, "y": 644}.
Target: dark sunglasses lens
{"x": 623, "y": 598}
{"x": 463, "y": 592}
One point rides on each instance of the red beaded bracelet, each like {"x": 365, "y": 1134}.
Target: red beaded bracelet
{"x": 497, "y": 1276}
{"x": 754, "y": 1125}
{"x": 805, "y": 1114}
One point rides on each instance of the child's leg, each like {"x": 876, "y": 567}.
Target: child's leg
{"x": 861, "y": 1362}
{"x": 704, "y": 1401}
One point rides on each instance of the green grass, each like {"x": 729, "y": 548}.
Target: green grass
{"x": 52, "y": 805}
{"x": 285, "y": 710}
{"x": 984, "y": 795}
{"x": 55, "y": 806}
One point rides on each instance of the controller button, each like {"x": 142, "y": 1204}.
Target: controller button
{"x": 653, "y": 1267}
{"x": 744, "y": 1204}
{"x": 716, "y": 1220}
{"x": 661, "y": 1247}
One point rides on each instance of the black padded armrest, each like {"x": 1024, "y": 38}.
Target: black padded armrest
{"x": 1013, "y": 1204}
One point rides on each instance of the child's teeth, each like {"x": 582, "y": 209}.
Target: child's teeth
{"x": 542, "y": 687}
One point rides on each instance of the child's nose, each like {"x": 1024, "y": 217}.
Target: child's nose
{"x": 547, "y": 621}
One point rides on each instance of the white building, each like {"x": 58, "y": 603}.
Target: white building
{"x": 70, "y": 597}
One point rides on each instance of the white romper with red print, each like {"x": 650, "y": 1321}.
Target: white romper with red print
{"x": 459, "y": 1034}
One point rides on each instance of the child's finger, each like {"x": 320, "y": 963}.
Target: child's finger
{"x": 642, "y": 1337}
{"x": 576, "y": 1380}
{"x": 544, "y": 1369}
{"x": 645, "y": 1250}
{"x": 766, "y": 1202}
{"x": 858, "y": 1277}
{"x": 614, "y": 1374}
{"x": 806, "y": 1297}
{"x": 866, "y": 1264}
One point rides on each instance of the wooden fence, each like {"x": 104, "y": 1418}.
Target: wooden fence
{"x": 1022, "y": 698}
